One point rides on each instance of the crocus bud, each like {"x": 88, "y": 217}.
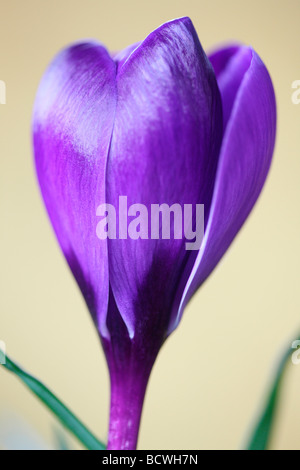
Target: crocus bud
{"x": 147, "y": 125}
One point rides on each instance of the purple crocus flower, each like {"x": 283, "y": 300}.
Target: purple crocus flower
{"x": 160, "y": 122}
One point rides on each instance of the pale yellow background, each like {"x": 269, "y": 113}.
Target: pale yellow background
{"x": 208, "y": 382}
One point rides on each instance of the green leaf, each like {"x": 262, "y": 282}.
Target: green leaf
{"x": 65, "y": 416}
{"x": 262, "y": 433}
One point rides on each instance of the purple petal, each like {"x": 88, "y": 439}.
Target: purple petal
{"x": 244, "y": 162}
{"x": 164, "y": 149}
{"x": 73, "y": 121}
{"x": 220, "y": 58}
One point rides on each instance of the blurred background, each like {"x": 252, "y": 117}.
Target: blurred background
{"x": 211, "y": 376}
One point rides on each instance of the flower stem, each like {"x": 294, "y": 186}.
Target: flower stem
{"x": 127, "y": 398}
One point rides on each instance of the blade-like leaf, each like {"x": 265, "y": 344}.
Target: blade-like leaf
{"x": 262, "y": 433}
{"x": 65, "y": 416}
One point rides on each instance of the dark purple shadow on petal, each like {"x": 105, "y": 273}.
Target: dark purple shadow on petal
{"x": 121, "y": 57}
{"x": 244, "y": 163}
{"x": 230, "y": 66}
